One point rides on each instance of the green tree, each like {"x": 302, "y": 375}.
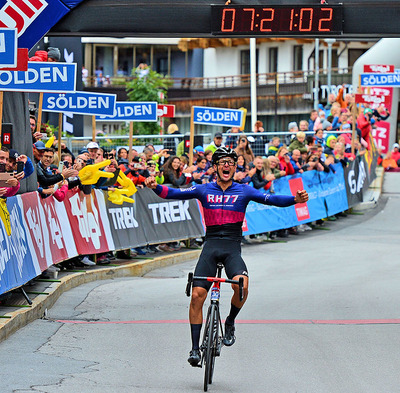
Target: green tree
{"x": 147, "y": 88}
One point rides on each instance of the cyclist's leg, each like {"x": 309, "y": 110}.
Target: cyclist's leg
{"x": 235, "y": 268}
{"x": 206, "y": 266}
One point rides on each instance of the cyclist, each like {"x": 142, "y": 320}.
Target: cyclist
{"x": 224, "y": 205}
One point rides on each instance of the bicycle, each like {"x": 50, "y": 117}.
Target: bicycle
{"x": 213, "y": 332}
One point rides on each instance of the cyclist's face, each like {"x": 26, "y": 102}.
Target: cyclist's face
{"x": 226, "y": 169}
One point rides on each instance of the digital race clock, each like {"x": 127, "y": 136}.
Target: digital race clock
{"x": 313, "y": 20}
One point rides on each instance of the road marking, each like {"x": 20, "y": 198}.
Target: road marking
{"x": 248, "y": 322}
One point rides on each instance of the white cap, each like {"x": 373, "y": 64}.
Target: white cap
{"x": 251, "y": 139}
{"x": 92, "y": 145}
{"x": 396, "y": 145}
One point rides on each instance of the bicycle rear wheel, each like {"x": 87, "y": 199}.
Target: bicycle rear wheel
{"x": 211, "y": 337}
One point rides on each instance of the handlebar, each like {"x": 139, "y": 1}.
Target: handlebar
{"x": 191, "y": 278}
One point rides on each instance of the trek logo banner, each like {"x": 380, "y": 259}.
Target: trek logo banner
{"x": 41, "y": 77}
{"x": 32, "y": 18}
{"x": 217, "y": 116}
{"x": 132, "y": 111}
{"x": 81, "y": 102}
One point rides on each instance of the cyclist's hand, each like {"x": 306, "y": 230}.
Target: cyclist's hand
{"x": 301, "y": 196}
{"x": 150, "y": 182}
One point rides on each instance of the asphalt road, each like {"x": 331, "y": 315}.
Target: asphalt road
{"x": 322, "y": 316}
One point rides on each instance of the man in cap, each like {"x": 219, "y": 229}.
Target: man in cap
{"x": 216, "y": 143}
{"x": 92, "y": 148}
{"x": 38, "y": 150}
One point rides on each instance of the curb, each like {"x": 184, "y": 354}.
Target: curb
{"x": 15, "y": 320}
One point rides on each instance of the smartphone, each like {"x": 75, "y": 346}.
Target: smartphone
{"x": 61, "y": 166}
{"x": 2, "y": 167}
{"x": 20, "y": 166}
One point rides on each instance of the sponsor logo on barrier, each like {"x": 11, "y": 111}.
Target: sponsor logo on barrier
{"x": 301, "y": 209}
{"x": 16, "y": 244}
{"x": 87, "y": 215}
{"x": 33, "y": 219}
{"x": 356, "y": 185}
{"x": 170, "y": 211}
{"x": 123, "y": 218}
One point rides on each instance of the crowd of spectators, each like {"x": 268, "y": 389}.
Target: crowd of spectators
{"x": 314, "y": 144}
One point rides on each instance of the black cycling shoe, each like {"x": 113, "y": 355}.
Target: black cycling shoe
{"x": 229, "y": 337}
{"x": 194, "y": 357}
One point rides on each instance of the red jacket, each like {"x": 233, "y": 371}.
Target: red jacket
{"x": 286, "y": 166}
{"x": 365, "y": 126}
{"x": 40, "y": 55}
{"x": 135, "y": 177}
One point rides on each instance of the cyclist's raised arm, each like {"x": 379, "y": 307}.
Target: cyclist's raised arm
{"x": 277, "y": 200}
{"x": 173, "y": 193}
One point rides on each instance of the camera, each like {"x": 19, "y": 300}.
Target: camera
{"x": 315, "y": 159}
{"x": 66, "y": 164}
{"x": 305, "y": 167}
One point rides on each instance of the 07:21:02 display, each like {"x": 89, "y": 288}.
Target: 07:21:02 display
{"x": 278, "y": 19}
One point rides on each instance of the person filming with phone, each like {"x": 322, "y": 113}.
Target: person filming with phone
{"x": 132, "y": 171}
{"x": 9, "y": 183}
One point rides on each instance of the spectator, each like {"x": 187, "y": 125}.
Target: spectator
{"x": 233, "y": 135}
{"x": 13, "y": 183}
{"x": 208, "y": 155}
{"x": 199, "y": 175}
{"x": 296, "y": 161}
{"x": 274, "y": 164}
{"x": 172, "y": 174}
{"x": 52, "y": 54}
{"x": 171, "y": 144}
{"x": 153, "y": 170}
{"x": 131, "y": 171}
{"x": 122, "y": 156}
{"x": 303, "y": 125}
{"x": 38, "y": 150}
{"x": 293, "y": 130}
{"x": 45, "y": 176}
{"x": 313, "y": 162}
{"x": 274, "y": 146}
{"x": 258, "y": 146}
{"x": 148, "y": 153}
{"x": 331, "y": 100}
{"x": 92, "y": 148}
{"x": 298, "y": 143}
{"x": 395, "y": 153}
{"x": 381, "y": 113}
{"x": 67, "y": 159}
{"x": 14, "y": 158}
{"x": 244, "y": 149}
{"x": 36, "y": 135}
{"x": 243, "y": 175}
{"x": 364, "y": 123}
{"x": 330, "y": 145}
{"x": 339, "y": 121}
{"x": 313, "y": 118}
{"x": 319, "y": 137}
{"x": 284, "y": 161}
{"x": 216, "y": 143}
{"x": 263, "y": 175}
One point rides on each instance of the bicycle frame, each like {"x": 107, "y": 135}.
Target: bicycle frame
{"x": 212, "y": 341}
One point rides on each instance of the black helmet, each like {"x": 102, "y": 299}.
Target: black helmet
{"x": 222, "y": 152}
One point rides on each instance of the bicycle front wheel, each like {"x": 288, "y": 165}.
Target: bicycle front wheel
{"x": 211, "y": 345}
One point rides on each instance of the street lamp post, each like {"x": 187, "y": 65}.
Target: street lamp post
{"x": 330, "y": 42}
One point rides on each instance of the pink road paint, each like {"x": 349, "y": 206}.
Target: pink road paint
{"x": 248, "y": 322}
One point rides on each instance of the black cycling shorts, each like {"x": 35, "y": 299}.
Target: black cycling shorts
{"x": 228, "y": 252}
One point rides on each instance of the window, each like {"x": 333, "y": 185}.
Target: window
{"x": 273, "y": 60}
{"x": 298, "y": 58}
{"x": 245, "y": 62}
{"x": 354, "y": 54}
